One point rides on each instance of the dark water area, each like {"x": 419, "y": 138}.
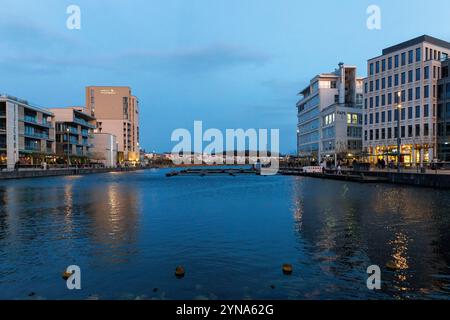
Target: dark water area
{"x": 129, "y": 231}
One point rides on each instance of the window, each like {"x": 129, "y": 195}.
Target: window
{"x": 418, "y": 74}
{"x": 403, "y": 131}
{"x": 410, "y": 131}
{"x": 377, "y": 67}
{"x": 410, "y": 112}
{"x": 426, "y": 130}
{"x": 377, "y": 118}
{"x": 418, "y": 54}
{"x": 410, "y": 56}
{"x": 426, "y": 111}
{"x": 417, "y": 93}
{"x": 417, "y": 112}
{"x": 383, "y": 117}
{"x": 383, "y": 65}
{"x": 389, "y": 136}
{"x": 426, "y": 92}
{"x": 383, "y": 133}
{"x": 396, "y": 80}
{"x": 390, "y": 63}
{"x": 410, "y": 76}
{"x": 377, "y": 101}
{"x": 403, "y": 58}
{"x": 371, "y": 69}
{"x": 383, "y": 100}
{"x": 396, "y": 61}
{"x": 383, "y": 83}
{"x": 377, "y": 85}
{"x": 390, "y": 82}
{"x": 389, "y": 116}
{"x": 410, "y": 94}
{"x": 389, "y": 98}
{"x": 426, "y": 73}
{"x": 403, "y": 114}
{"x": 417, "y": 130}
{"x": 371, "y": 118}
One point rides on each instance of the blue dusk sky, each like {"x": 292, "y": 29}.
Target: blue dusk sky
{"x": 229, "y": 63}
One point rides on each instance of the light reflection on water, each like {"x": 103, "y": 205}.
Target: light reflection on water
{"x": 128, "y": 232}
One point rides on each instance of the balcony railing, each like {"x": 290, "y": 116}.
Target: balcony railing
{"x": 83, "y": 123}
{"x": 34, "y": 121}
{"x": 36, "y": 135}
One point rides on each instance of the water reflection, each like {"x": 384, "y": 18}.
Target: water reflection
{"x": 128, "y": 232}
{"x": 350, "y": 229}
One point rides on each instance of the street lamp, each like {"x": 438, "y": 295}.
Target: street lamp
{"x": 399, "y": 141}
{"x": 68, "y": 147}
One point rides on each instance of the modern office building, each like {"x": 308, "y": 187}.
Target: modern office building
{"x": 402, "y": 82}
{"x": 117, "y": 113}
{"x": 104, "y": 149}
{"x": 330, "y": 116}
{"x": 27, "y": 134}
{"x": 443, "y": 113}
{"x": 74, "y": 128}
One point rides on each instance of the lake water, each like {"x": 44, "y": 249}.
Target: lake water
{"x": 129, "y": 231}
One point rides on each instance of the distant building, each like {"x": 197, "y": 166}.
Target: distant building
{"x": 443, "y": 113}
{"x": 330, "y": 116}
{"x": 405, "y": 78}
{"x": 104, "y": 149}
{"x": 74, "y": 127}
{"x": 26, "y": 133}
{"x": 117, "y": 113}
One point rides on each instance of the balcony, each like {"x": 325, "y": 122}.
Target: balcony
{"x": 36, "y": 135}
{"x": 33, "y": 120}
{"x": 83, "y": 123}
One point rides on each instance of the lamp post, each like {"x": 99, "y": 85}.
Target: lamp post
{"x": 68, "y": 148}
{"x": 399, "y": 141}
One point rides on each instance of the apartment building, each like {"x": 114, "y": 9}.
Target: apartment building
{"x": 74, "y": 128}
{"x": 27, "y": 134}
{"x": 403, "y": 82}
{"x": 330, "y": 116}
{"x": 117, "y": 112}
{"x": 443, "y": 116}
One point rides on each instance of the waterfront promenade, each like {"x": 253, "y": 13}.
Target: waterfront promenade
{"x": 41, "y": 173}
{"x": 427, "y": 178}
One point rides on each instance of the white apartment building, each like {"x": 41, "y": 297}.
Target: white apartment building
{"x": 330, "y": 116}
{"x": 402, "y": 82}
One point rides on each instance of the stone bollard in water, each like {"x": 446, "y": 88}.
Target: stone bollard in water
{"x": 179, "y": 272}
{"x": 287, "y": 269}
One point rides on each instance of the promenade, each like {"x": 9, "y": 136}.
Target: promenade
{"x": 41, "y": 173}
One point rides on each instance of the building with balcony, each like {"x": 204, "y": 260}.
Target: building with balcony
{"x": 27, "y": 134}
{"x": 74, "y": 129}
{"x": 402, "y": 85}
{"x": 443, "y": 113}
{"x": 330, "y": 116}
{"x": 117, "y": 113}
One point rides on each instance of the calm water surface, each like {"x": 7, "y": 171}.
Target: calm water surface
{"x": 129, "y": 231}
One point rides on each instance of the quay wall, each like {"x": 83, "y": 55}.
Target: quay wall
{"x": 24, "y": 174}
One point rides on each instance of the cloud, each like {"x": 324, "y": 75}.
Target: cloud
{"x": 181, "y": 61}
{"x": 197, "y": 60}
